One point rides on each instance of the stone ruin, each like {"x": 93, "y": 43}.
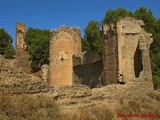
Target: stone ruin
{"x": 44, "y": 72}
{"x": 126, "y": 52}
{"x": 89, "y": 71}
{"x": 68, "y": 65}
{"x": 65, "y": 43}
{"x": 125, "y": 56}
{"x": 22, "y": 56}
{"x": 20, "y": 32}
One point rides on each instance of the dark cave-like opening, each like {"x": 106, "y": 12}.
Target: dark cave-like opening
{"x": 138, "y": 66}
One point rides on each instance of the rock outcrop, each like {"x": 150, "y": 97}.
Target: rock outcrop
{"x": 15, "y": 81}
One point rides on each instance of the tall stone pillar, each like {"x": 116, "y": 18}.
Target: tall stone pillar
{"x": 20, "y": 32}
{"x": 110, "y": 54}
{"x": 65, "y": 42}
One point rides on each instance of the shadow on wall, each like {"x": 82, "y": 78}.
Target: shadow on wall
{"x": 89, "y": 74}
{"x": 138, "y": 66}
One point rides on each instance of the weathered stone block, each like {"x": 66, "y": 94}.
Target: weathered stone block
{"x": 44, "y": 70}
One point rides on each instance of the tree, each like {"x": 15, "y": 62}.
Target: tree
{"x": 6, "y": 47}
{"x": 113, "y": 15}
{"x": 149, "y": 20}
{"x": 92, "y": 37}
{"x": 38, "y": 42}
{"x": 109, "y": 17}
{"x": 9, "y": 51}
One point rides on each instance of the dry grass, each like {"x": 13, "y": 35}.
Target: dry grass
{"x": 23, "y": 107}
{"x": 28, "y": 108}
{"x": 149, "y": 104}
{"x": 94, "y": 113}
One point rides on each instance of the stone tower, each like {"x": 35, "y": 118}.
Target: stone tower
{"x": 20, "y": 32}
{"x": 65, "y": 42}
{"x": 126, "y": 52}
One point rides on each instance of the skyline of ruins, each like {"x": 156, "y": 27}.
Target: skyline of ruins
{"x": 53, "y": 14}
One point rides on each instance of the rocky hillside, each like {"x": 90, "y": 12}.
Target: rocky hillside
{"x": 130, "y": 98}
{"x": 14, "y": 79}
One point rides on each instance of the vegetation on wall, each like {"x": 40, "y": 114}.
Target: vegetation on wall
{"x": 6, "y": 47}
{"x": 112, "y": 15}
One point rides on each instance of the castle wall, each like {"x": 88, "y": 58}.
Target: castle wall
{"x": 88, "y": 70}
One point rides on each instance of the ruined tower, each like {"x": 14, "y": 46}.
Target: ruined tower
{"x": 126, "y": 52}
{"x": 20, "y": 32}
{"x": 64, "y": 44}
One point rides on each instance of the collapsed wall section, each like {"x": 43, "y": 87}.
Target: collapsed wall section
{"x": 64, "y": 43}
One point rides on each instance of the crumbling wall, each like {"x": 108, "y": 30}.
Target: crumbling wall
{"x": 20, "y": 32}
{"x": 64, "y": 43}
{"x": 22, "y": 57}
{"x": 130, "y": 51}
{"x": 110, "y": 54}
{"x": 88, "y": 70}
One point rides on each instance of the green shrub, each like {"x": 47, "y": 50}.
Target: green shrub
{"x": 156, "y": 82}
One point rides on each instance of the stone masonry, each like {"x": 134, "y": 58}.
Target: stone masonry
{"x": 22, "y": 57}
{"x": 65, "y": 43}
{"x": 126, "y": 52}
{"x": 20, "y": 32}
{"x": 44, "y": 72}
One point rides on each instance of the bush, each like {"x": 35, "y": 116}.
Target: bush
{"x": 156, "y": 82}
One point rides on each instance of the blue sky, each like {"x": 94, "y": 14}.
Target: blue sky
{"x": 51, "y": 14}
